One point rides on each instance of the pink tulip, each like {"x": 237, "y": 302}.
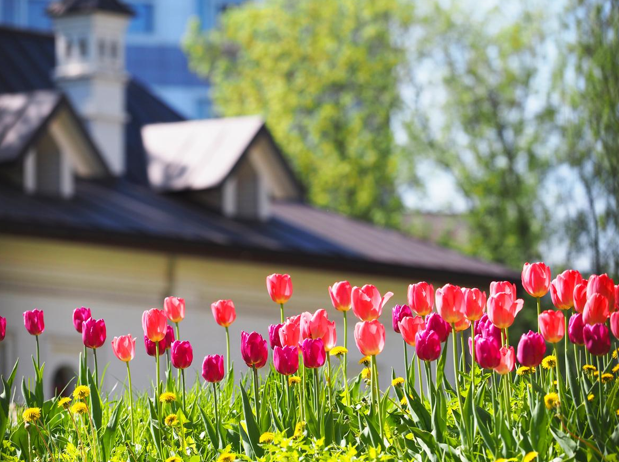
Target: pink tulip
{"x": 254, "y": 349}
{"x": 286, "y": 360}
{"x": 290, "y": 332}
{"x": 575, "y": 329}
{"x": 552, "y": 325}
{"x": 340, "y": 294}
{"x": 154, "y": 323}
{"x": 224, "y": 312}
{"x": 450, "y": 303}
{"x": 174, "y": 308}
{"x": 580, "y": 297}
{"x": 213, "y": 368}
{"x": 474, "y": 303}
{"x": 602, "y": 285}
{"x": 508, "y": 360}
{"x": 497, "y": 287}
{"x": 79, "y": 316}
{"x": 421, "y": 298}
{"x": 370, "y": 337}
{"x": 313, "y": 351}
{"x": 409, "y": 327}
{"x": 317, "y": 325}
{"x": 34, "y": 322}
{"x": 502, "y": 309}
{"x": 428, "y": 345}
{"x": 182, "y": 354}
{"x": 2, "y": 328}
{"x": 596, "y": 310}
{"x": 436, "y": 323}
{"x": 367, "y": 303}
{"x": 536, "y": 279}
{"x": 279, "y": 287}
{"x": 330, "y": 338}
{"x": 487, "y": 353}
{"x": 274, "y": 339}
{"x": 562, "y": 289}
{"x": 398, "y": 313}
{"x": 531, "y": 349}
{"x": 151, "y": 347}
{"x": 597, "y": 339}
{"x": 614, "y": 324}
{"x": 124, "y": 347}
{"x": 94, "y": 333}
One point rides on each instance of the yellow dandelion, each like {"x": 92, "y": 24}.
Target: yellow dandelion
{"x": 167, "y": 397}
{"x": 525, "y": 370}
{"x": 64, "y": 402}
{"x": 397, "y": 381}
{"x": 549, "y": 362}
{"x": 403, "y": 401}
{"x": 79, "y": 408}
{"x": 32, "y": 414}
{"x": 81, "y": 392}
{"x": 590, "y": 397}
{"x": 298, "y": 430}
{"x": 174, "y": 459}
{"x": 227, "y": 457}
{"x": 617, "y": 412}
{"x": 338, "y": 351}
{"x": 365, "y": 361}
{"x": 266, "y": 437}
{"x": 551, "y": 400}
{"x": 366, "y": 374}
{"x": 616, "y": 369}
{"x": 615, "y": 352}
{"x": 589, "y": 369}
{"x": 530, "y": 456}
{"x": 293, "y": 379}
{"x": 171, "y": 420}
{"x": 607, "y": 378}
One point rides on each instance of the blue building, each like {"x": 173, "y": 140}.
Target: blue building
{"x": 154, "y": 55}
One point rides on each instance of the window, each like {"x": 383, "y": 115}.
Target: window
{"x": 144, "y": 20}
{"x": 83, "y": 44}
{"x": 37, "y": 17}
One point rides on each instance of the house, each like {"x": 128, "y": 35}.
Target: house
{"x": 110, "y": 199}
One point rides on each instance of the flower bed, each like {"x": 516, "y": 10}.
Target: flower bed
{"x": 553, "y": 397}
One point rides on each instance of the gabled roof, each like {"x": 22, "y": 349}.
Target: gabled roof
{"x": 68, "y": 7}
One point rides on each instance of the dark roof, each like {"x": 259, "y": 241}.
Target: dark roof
{"x": 28, "y": 60}
{"x": 68, "y": 7}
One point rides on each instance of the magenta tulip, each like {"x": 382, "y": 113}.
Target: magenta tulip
{"x": 169, "y": 338}
{"x": 182, "y": 354}
{"x": 313, "y": 351}
{"x": 487, "y": 353}
{"x": 254, "y": 349}
{"x": 427, "y": 345}
{"x": 34, "y": 322}
{"x": 93, "y": 333}
{"x": 151, "y": 349}
{"x": 213, "y": 368}
{"x": 274, "y": 339}
{"x": 614, "y": 324}
{"x": 531, "y": 349}
{"x": 398, "y": 313}
{"x": 2, "y": 328}
{"x": 575, "y": 329}
{"x": 486, "y": 329}
{"x": 597, "y": 339}
{"x": 79, "y": 316}
{"x": 436, "y": 323}
{"x": 286, "y": 360}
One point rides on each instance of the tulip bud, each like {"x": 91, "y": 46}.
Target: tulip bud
{"x": 536, "y": 279}
{"x": 487, "y": 354}
{"x": 124, "y": 347}
{"x": 421, "y": 298}
{"x": 562, "y": 289}
{"x": 182, "y": 354}
{"x": 552, "y": 325}
{"x": 213, "y": 368}
{"x": 409, "y": 327}
{"x": 367, "y": 303}
{"x": 94, "y": 333}
{"x": 313, "y": 351}
{"x": 370, "y": 337}
{"x": 224, "y": 312}
{"x": 254, "y": 349}
{"x": 274, "y": 340}
{"x": 398, "y": 313}
{"x": 474, "y": 303}
{"x": 437, "y": 324}
{"x": 34, "y": 322}
{"x": 596, "y": 309}
{"x": 286, "y": 360}
{"x": 597, "y": 339}
{"x": 154, "y": 323}
{"x": 575, "y": 329}
{"x": 279, "y": 287}
{"x": 428, "y": 345}
{"x": 174, "y": 308}
{"x": 508, "y": 359}
{"x": 79, "y": 316}
{"x": 450, "y": 303}
{"x": 531, "y": 349}
{"x": 340, "y": 294}
{"x": 2, "y": 328}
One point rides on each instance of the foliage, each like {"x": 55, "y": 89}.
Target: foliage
{"x": 325, "y": 77}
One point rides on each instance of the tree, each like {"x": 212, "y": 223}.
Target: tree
{"x": 477, "y": 112}
{"x": 325, "y": 77}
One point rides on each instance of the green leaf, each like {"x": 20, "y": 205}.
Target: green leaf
{"x": 95, "y": 403}
{"x": 111, "y": 429}
{"x": 155, "y": 430}
{"x": 210, "y": 429}
{"x": 252, "y": 429}
{"x": 5, "y": 400}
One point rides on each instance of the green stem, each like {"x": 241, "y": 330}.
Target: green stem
{"x": 227, "y": 351}
{"x": 317, "y": 403}
{"x": 428, "y": 368}
{"x": 257, "y": 394}
{"x": 345, "y": 368}
{"x": 375, "y": 382}
{"x": 131, "y": 404}
{"x": 183, "y": 379}
{"x": 94, "y": 352}
{"x": 420, "y": 379}
{"x": 405, "y": 359}
{"x": 303, "y": 387}
{"x": 597, "y": 359}
{"x": 217, "y": 410}
{"x": 329, "y": 381}
{"x": 455, "y": 354}
{"x": 473, "y": 359}
{"x": 539, "y": 301}
{"x": 178, "y": 332}
{"x": 281, "y": 313}
{"x": 38, "y": 354}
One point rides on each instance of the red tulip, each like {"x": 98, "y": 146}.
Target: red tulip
{"x": 317, "y": 325}
{"x": 286, "y": 360}
{"x": 330, "y": 338}
{"x": 614, "y": 324}
{"x": 437, "y": 324}
{"x": 552, "y": 325}
{"x": 169, "y": 338}
{"x": 340, "y": 294}
{"x": 575, "y": 329}
{"x": 370, "y": 337}
{"x": 213, "y": 368}
{"x": 496, "y": 287}
{"x": 313, "y": 351}
{"x": 580, "y": 297}
{"x": 428, "y": 345}
{"x": 2, "y": 328}
{"x": 462, "y": 325}
{"x": 151, "y": 347}
{"x": 290, "y": 332}
{"x": 502, "y": 309}
{"x": 596, "y": 310}
{"x": 182, "y": 354}
{"x": 223, "y": 312}
{"x": 94, "y": 333}
{"x": 367, "y": 303}
{"x": 279, "y": 287}
{"x": 531, "y": 349}
{"x": 124, "y": 347}
{"x": 474, "y": 303}
{"x": 536, "y": 279}
{"x": 421, "y": 298}
{"x": 254, "y": 349}
{"x": 34, "y": 322}
{"x": 174, "y": 308}
{"x": 508, "y": 360}
{"x": 602, "y": 285}
{"x": 79, "y": 316}
{"x": 274, "y": 339}
{"x": 597, "y": 339}
{"x": 562, "y": 289}
{"x": 487, "y": 353}
{"x": 409, "y": 327}
{"x": 398, "y": 313}
{"x": 450, "y": 303}
{"x": 154, "y": 323}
